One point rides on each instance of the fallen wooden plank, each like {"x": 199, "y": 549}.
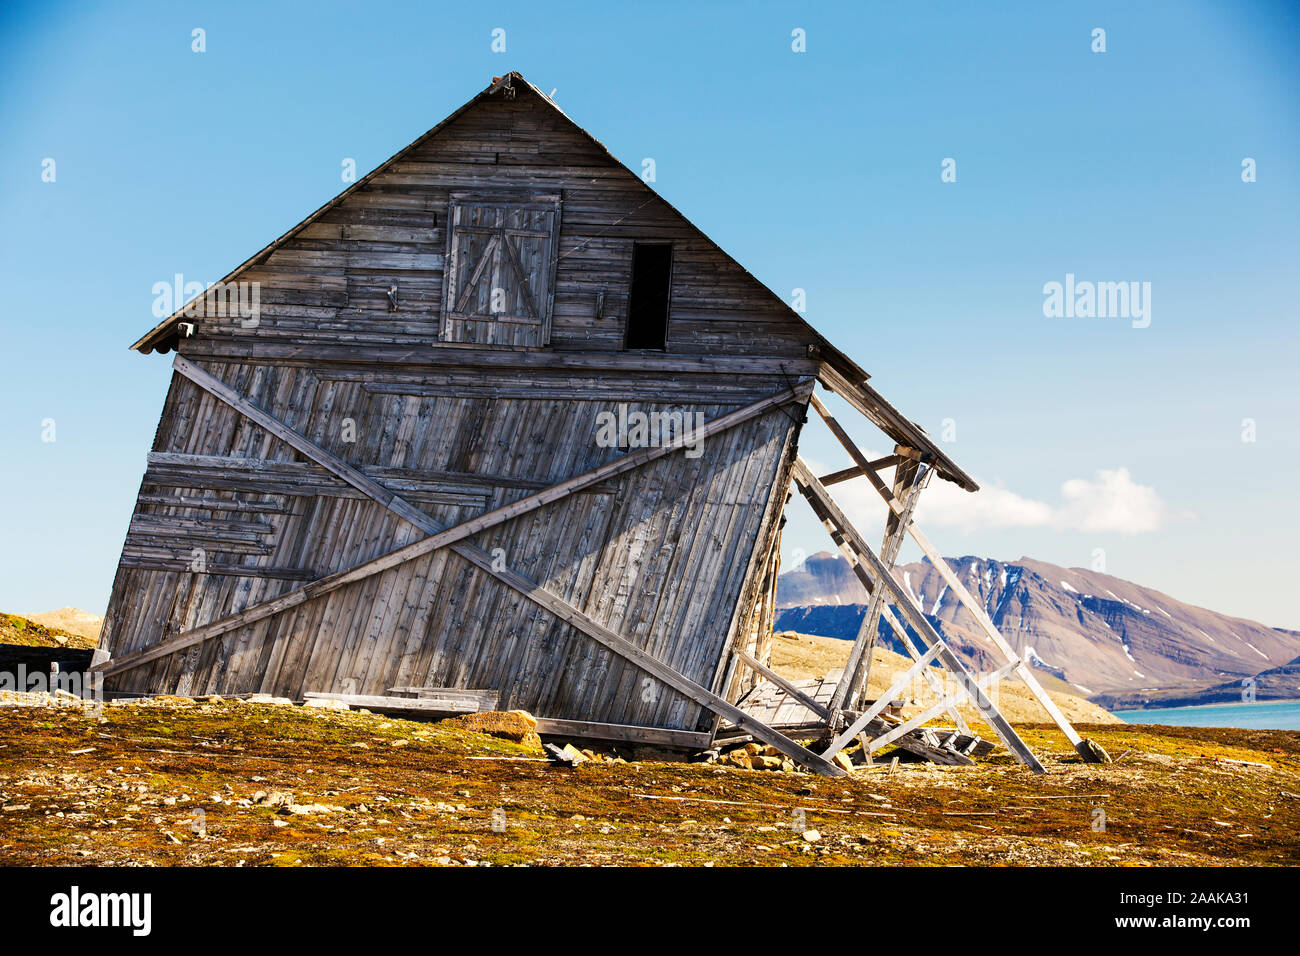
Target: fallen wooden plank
{"x": 412, "y": 704}
{"x": 870, "y": 713}
{"x": 782, "y": 683}
{"x": 1066, "y": 796}
{"x": 486, "y": 699}
{"x": 930, "y": 713}
{"x": 628, "y": 733}
{"x": 807, "y": 806}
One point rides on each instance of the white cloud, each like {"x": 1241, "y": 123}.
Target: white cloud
{"x": 1114, "y": 502}
{"x": 945, "y": 505}
{"x": 1110, "y": 502}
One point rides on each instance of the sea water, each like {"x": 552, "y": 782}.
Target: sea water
{"x": 1270, "y": 715}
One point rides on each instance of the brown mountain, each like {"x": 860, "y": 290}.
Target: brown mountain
{"x": 1104, "y": 635}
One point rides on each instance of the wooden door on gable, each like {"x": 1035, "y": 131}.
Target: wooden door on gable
{"x": 500, "y": 269}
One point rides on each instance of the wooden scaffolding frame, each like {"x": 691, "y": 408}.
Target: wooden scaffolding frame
{"x": 888, "y": 600}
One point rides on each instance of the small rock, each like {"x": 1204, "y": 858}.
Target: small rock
{"x": 516, "y": 725}
{"x": 740, "y": 758}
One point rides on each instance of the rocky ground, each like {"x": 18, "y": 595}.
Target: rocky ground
{"x": 174, "y": 781}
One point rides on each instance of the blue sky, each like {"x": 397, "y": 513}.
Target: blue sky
{"x": 817, "y": 170}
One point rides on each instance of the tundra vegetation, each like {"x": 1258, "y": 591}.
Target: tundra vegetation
{"x": 180, "y": 781}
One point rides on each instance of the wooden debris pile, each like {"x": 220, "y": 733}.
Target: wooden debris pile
{"x": 782, "y": 710}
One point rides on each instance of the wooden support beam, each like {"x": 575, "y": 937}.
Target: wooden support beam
{"x": 782, "y": 683}
{"x": 841, "y": 386}
{"x": 869, "y": 584}
{"x": 909, "y": 482}
{"x": 872, "y": 405}
{"x": 844, "y": 474}
{"x": 910, "y": 479}
{"x": 1021, "y": 667}
{"x": 857, "y": 672}
{"x": 526, "y": 587}
{"x": 916, "y": 617}
{"x": 441, "y": 539}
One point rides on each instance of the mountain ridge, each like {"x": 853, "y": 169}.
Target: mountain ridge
{"x": 1104, "y": 635}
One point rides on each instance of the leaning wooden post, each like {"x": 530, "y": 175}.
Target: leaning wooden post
{"x": 910, "y": 481}
{"x": 869, "y": 584}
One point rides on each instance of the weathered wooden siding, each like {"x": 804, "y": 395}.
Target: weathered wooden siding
{"x": 657, "y": 555}
{"x": 328, "y": 284}
{"x": 664, "y": 555}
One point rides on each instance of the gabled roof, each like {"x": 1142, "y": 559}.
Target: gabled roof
{"x": 163, "y": 337}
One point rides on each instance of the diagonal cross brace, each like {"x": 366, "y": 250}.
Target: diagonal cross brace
{"x": 374, "y": 490}
{"x": 868, "y": 715}
{"x": 526, "y": 587}
{"x": 933, "y": 711}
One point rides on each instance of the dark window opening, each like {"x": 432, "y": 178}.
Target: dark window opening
{"x": 647, "y": 308}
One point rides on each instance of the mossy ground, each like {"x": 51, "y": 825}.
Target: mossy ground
{"x": 123, "y": 789}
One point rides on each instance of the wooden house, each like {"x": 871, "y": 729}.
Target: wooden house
{"x": 497, "y": 419}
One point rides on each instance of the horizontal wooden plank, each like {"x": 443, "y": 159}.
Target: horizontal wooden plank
{"x": 625, "y": 733}
{"x": 399, "y": 704}
{"x": 486, "y": 699}
{"x": 230, "y": 347}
